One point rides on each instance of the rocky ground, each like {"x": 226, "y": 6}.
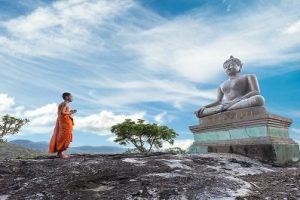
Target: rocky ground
{"x": 156, "y": 176}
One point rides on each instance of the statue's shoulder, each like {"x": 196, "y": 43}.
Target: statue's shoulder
{"x": 224, "y": 83}
{"x": 250, "y": 76}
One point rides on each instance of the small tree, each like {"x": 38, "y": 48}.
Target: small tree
{"x": 143, "y": 136}
{"x": 10, "y": 125}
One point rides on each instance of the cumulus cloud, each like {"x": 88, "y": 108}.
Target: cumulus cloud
{"x": 43, "y": 119}
{"x": 160, "y": 117}
{"x": 102, "y": 122}
{"x": 44, "y": 115}
{"x": 181, "y": 143}
{"x": 293, "y": 28}
{"x": 6, "y": 103}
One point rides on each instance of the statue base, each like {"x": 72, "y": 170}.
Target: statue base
{"x": 251, "y": 132}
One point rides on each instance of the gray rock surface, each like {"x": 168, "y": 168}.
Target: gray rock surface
{"x": 156, "y": 176}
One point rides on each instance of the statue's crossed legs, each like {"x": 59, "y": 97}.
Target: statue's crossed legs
{"x": 253, "y": 101}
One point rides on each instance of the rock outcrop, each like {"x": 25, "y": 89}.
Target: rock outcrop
{"x": 156, "y": 176}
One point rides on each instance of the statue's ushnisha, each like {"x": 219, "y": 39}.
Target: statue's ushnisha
{"x": 240, "y": 91}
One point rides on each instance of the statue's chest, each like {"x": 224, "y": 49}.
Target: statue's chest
{"x": 236, "y": 86}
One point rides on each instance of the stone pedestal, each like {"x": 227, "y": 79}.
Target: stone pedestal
{"x": 252, "y": 132}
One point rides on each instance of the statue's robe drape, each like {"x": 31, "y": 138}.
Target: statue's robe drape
{"x": 62, "y": 134}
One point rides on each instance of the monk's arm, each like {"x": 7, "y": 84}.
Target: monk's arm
{"x": 64, "y": 110}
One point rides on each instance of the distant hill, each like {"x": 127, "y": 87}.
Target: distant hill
{"x": 43, "y": 146}
{"x": 10, "y": 151}
{"x": 40, "y": 146}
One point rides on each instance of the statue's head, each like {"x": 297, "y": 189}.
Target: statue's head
{"x": 232, "y": 66}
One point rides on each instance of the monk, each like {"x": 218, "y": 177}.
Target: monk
{"x": 240, "y": 91}
{"x": 62, "y": 135}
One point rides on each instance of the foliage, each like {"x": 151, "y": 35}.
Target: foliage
{"x": 175, "y": 150}
{"x": 10, "y": 125}
{"x": 143, "y": 136}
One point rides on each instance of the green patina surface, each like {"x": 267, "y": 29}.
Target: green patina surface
{"x": 194, "y": 149}
{"x": 283, "y": 152}
{"x": 241, "y": 133}
{"x": 278, "y": 132}
{"x": 286, "y": 152}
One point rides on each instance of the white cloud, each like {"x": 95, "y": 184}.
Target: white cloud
{"x": 43, "y": 116}
{"x": 43, "y": 119}
{"x": 102, "y": 122}
{"x": 6, "y": 103}
{"x": 44, "y": 110}
{"x": 195, "y": 46}
{"x": 164, "y": 117}
{"x": 125, "y": 54}
{"x": 293, "y": 28}
{"x": 182, "y": 143}
{"x": 147, "y": 58}
{"x": 129, "y": 92}
{"x": 63, "y": 24}
{"x": 160, "y": 117}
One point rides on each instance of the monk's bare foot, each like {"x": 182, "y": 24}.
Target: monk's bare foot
{"x": 64, "y": 155}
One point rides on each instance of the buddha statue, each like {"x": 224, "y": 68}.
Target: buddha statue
{"x": 240, "y": 91}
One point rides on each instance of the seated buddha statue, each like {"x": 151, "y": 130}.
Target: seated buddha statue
{"x": 240, "y": 91}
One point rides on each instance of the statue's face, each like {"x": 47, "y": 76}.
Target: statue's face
{"x": 232, "y": 68}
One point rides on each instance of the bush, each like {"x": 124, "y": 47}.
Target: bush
{"x": 175, "y": 150}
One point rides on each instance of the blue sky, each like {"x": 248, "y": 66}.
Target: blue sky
{"x": 153, "y": 59}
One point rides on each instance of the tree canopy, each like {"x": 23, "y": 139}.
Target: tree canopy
{"x": 10, "y": 125}
{"x": 143, "y": 136}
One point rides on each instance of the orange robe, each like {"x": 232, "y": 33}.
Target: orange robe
{"x": 62, "y": 135}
